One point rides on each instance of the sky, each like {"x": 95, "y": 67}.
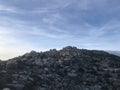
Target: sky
{"x": 41, "y": 25}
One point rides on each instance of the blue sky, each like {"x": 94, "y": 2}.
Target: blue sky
{"x": 39, "y": 25}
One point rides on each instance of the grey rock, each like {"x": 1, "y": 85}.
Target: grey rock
{"x": 6, "y": 89}
{"x": 67, "y": 69}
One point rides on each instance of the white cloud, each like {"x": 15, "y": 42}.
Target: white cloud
{"x": 112, "y": 26}
{"x": 4, "y": 35}
{"x": 7, "y": 9}
{"x": 52, "y": 18}
{"x": 38, "y": 32}
{"x": 45, "y": 33}
{"x": 3, "y": 31}
{"x": 15, "y": 33}
{"x": 96, "y": 33}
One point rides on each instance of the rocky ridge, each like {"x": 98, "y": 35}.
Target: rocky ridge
{"x": 67, "y": 69}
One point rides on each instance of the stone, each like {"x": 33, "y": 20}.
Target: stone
{"x": 6, "y": 89}
{"x": 67, "y": 69}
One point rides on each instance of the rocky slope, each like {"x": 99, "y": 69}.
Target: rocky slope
{"x": 67, "y": 69}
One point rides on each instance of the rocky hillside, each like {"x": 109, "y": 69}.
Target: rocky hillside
{"x": 67, "y": 69}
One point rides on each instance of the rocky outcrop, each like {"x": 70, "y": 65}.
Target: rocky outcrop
{"x": 67, "y": 69}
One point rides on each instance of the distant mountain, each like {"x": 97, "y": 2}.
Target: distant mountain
{"x": 114, "y": 52}
{"x": 67, "y": 69}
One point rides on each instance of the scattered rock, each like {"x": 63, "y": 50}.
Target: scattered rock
{"x": 67, "y": 69}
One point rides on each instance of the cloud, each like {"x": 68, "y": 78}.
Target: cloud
{"x": 38, "y": 32}
{"x": 96, "y": 33}
{"x": 41, "y": 32}
{"x": 85, "y": 23}
{"x": 52, "y": 18}
{"x": 39, "y": 7}
{"x": 14, "y": 26}
{"x": 3, "y": 31}
{"x": 110, "y": 27}
{"x": 8, "y": 9}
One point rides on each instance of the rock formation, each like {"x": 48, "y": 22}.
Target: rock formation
{"x": 67, "y": 69}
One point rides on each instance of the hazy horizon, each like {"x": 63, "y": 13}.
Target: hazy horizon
{"x": 42, "y": 25}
